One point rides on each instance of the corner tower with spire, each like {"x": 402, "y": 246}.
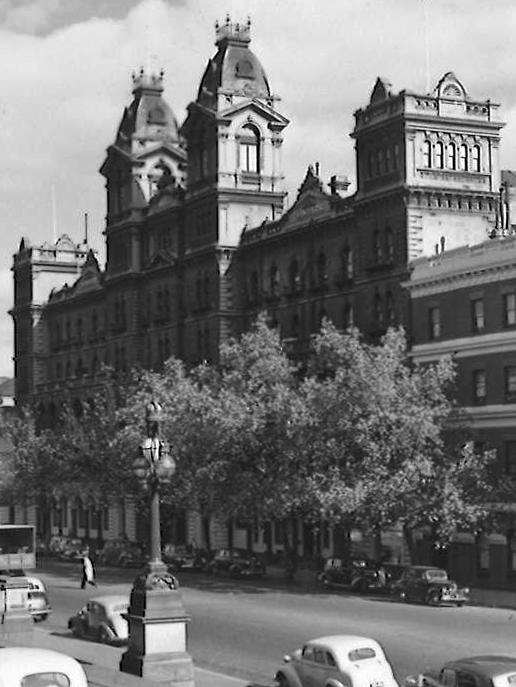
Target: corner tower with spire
{"x": 233, "y": 134}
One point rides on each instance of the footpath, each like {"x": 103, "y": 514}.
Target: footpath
{"x": 110, "y": 676}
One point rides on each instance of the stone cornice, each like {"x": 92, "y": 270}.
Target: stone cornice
{"x": 465, "y": 347}
{"x": 461, "y": 279}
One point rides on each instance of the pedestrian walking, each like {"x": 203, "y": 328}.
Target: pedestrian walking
{"x": 88, "y": 572}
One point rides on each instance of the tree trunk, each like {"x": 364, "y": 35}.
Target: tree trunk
{"x": 377, "y": 544}
{"x": 290, "y": 542}
{"x": 205, "y": 520}
{"x": 411, "y": 545}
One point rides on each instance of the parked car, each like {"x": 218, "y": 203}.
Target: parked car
{"x": 430, "y": 585}
{"x": 236, "y": 563}
{"x": 120, "y": 552}
{"x": 337, "y": 660}
{"x": 354, "y": 574}
{"x": 39, "y": 605}
{"x": 180, "y": 558}
{"x": 23, "y": 666}
{"x": 481, "y": 671}
{"x": 102, "y": 619}
{"x": 132, "y": 555}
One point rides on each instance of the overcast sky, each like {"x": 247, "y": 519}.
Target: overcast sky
{"x": 65, "y": 79}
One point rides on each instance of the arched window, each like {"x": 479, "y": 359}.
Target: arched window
{"x": 322, "y": 275}
{"x": 249, "y": 149}
{"x": 439, "y": 155}
{"x": 380, "y": 161}
{"x": 378, "y": 310}
{"x": 347, "y": 263}
{"x": 207, "y": 346}
{"x": 389, "y": 307}
{"x": 198, "y": 291}
{"x": 206, "y": 290}
{"x": 274, "y": 280}
{"x": 378, "y": 250}
{"x": 463, "y": 157}
{"x": 396, "y": 155}
{"x": 254, "y": 287}
{"x": 475, "y": 159}
{"x": 389, "y": 245}
{"x": 427, "y": 154}
{"x": 295, "y": 277}
{"x": 370, "y": 164}
{"x": 452, "y": 156}
{"x": 347, "y": 316}
{"x": 295, "y": 326}
{"x": 388, "y": 159}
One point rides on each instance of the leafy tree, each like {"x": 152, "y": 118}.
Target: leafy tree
{"x": 31, "y": 465}
{"x": 382, "y": 450}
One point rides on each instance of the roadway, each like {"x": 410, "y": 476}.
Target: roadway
{"x": 243, "y": 628}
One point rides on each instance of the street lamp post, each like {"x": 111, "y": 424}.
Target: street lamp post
{"x": 157, "y": 620}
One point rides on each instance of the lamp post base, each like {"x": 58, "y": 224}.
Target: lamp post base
{"x": 157, "y": 630}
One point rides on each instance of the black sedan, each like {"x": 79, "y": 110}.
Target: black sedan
{"x": 429, "y": 585}
{"x": 236, "y": 563}
{"x": 354, "y": 574}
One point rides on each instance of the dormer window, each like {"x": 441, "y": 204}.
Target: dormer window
{"x": 244, "y": 70}
{"x": 249, "y": 150}
{"x": 156, "y": 116}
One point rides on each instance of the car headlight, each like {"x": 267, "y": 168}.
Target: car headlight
{"x": 465, "y": 590}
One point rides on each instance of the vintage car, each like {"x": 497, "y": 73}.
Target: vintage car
{"x": 102, "y": 619}
{"x": 125, "y": 554}
{"x": 178, "y": 557}
{"x": 477, "y": 671}
{"x": 430, "y": 585}
{"x": 31, "y": 667}
{"x": 354, "y": 574}
{"x": 337, "y": 660}
{"x": 39, "y": 605}
{"x": 236, "y": 563}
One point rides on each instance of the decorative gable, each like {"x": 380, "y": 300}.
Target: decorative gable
{"x": 312, "y": 203}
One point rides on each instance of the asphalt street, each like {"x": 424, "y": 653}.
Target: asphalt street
{"x": 243, "y": 628}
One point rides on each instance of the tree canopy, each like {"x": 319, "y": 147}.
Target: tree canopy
{"x": 360, "y": 438}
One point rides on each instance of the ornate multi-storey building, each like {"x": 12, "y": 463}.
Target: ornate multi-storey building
{"x": 198, "y": 241}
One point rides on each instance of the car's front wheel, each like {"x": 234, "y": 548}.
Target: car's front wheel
{"x": 433, "y": 598}
{"x": 282, "y": 680}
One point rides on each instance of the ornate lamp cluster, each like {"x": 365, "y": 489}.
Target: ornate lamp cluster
{"x": 154, "y": 465}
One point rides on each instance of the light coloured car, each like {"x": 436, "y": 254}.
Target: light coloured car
{"x": 102, "y": 619}
{"x": 31, "y": 667}
{"x": 337, "y": 661}
{"x": 39, "y": 605}
{"x": 477, "y": 671}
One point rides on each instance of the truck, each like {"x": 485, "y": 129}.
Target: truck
{"x": 17, "y": 547}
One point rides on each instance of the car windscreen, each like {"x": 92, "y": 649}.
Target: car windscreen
{"x": 436, "y": 575}
{"x": 46, "y": 680}
{"x": 361, "y": 654}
